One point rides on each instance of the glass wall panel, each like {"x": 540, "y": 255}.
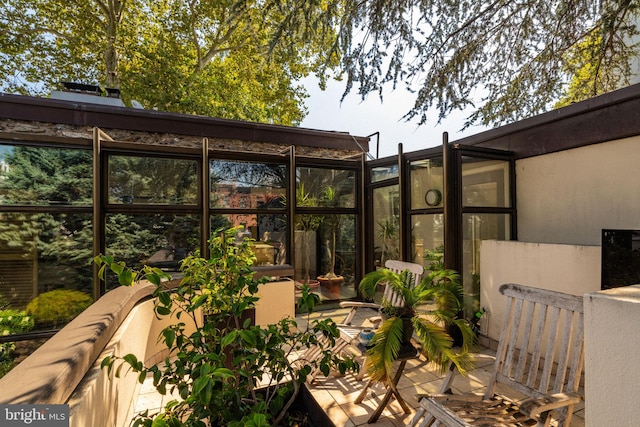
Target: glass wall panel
{"x": 386, "y": 214}
{"x": 326, "y": 256}
{"x": 427, "y": 183}
{"x": 477, "y": 227}
{"x": 384, "y": 172}
{"x": 268, "y": 230}
{"x": 485, "y": 182}
{"x": 44, "y": 252}
{"x": 45, "y": 176}
{"x": 325, "y": 241}
{"x": 242, "y": 185}
{"x": 325, "y": 187}
{"x": 427, "y": 238}
{"x": 152, "y": 181}
{"x": 158, "y": 240}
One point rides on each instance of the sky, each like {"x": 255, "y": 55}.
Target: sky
{"x": 363, "y": 118}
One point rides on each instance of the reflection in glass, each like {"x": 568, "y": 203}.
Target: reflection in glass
{"x": 316, "y": 182}
{"x": 247, "y": 185}
{"x": 427, "y": 238}
{"x": 268, "y": 230}
{"x": 427, "y": 182}
{"x": 475, "y": 228}
{"x": 327, "y": 256}
{"x": 485, "y": 182}
{"x": 152, "y": 180}
{"x": 384, "y": 172}
{"x": 386, "y": 213}
{"x": 45, "y": 176}
{"x": 158, "y": 240}
{"x": 41, "y": 252}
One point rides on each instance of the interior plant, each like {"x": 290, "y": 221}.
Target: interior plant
{"x": 429, "y": 307}
{"x": 388, "y": 232}
{"x": 216, "y": 370}
{"x": 330, "y": 199}
{"x": 307, "y": 223}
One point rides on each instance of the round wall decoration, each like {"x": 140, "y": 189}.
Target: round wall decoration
{"x": 433, "y": 197}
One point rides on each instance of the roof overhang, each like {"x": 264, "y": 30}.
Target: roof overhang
{"x": 20, "y": 107}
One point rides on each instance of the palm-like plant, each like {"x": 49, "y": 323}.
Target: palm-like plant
{"x": 439, "y": 296}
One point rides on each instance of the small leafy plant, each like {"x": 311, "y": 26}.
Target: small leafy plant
{"x": 219, "y": 372}
{"x": 12, "y": 322}
{"x": 58, "y": 307}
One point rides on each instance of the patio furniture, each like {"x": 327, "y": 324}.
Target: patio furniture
{"x": 540, "y": 354}
{"x": 349, "y": 331}
{"x": 392, "y": 391}
{"x": 314, "y": 353}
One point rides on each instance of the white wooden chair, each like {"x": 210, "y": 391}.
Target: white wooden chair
{"x": 349, "y": 332}
{"x": 540, "y": 354}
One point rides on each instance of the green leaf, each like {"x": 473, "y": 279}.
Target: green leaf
{"x": 229, "y": 338}
{"x": 159, "y": 421}
{"x": 169, "y": 336}
{"x": 199, "y": 384}
{"x": 165, "y": 298}
{"x": 248, "y": 337}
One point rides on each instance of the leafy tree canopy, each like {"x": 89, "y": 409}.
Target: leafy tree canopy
{"x": 504, "y": 59}
{"x": 190, "y": 56}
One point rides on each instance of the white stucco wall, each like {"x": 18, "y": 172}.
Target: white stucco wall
{"x": 612, "y": 346}
{"x": 570, "y": 269}
{"x": 570, "y": 196}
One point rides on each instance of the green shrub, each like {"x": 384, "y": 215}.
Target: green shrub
{"x": 58, "y": 307}
{"x": 12, "y": 322}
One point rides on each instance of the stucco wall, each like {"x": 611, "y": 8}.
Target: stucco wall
{"x": 570, "y": 269}
{"x": 612, "y": 344}
{"x": 570, "y": 196}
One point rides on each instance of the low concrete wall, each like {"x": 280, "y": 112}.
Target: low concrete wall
{"x": 103, "y": 399}
{"x": 66, "y": 369}
{"x": 612, "y": 349}
{"x": 54, "y": 370}
{"x": 570, "y": 269}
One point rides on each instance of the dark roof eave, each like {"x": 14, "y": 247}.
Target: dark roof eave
{"x": 20, "y": 107}
{"x": 608, "y": 117}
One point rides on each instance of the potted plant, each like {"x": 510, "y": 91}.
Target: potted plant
{"x": 215, "y": 369}
{"x": 307, "y": 223}
{"x": 429, "y": 307}
{"x": 388, "y": 232}
{"x": 330, "y": 199}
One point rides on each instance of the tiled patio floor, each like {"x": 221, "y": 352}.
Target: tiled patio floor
{"x": 336, "y": 394}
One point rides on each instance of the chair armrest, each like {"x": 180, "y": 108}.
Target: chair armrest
{"x": 355, "y": 304}
{"x": 468, "y": 397}
{"x": 534, "y": 407}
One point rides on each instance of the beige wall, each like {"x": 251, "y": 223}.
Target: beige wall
{"x": 277, "y": 301}
{"x": 570, "y": 196}
{"x": 612, "y": 344}
{"x": 102, "y": 399}
{"x": 564, "y": 268}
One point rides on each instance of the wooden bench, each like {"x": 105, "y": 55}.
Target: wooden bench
{"x": 540, "y": 354}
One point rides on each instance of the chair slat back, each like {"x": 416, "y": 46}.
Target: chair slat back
{"x": 541, "y": 344}
{"x": 417, "y": 270}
